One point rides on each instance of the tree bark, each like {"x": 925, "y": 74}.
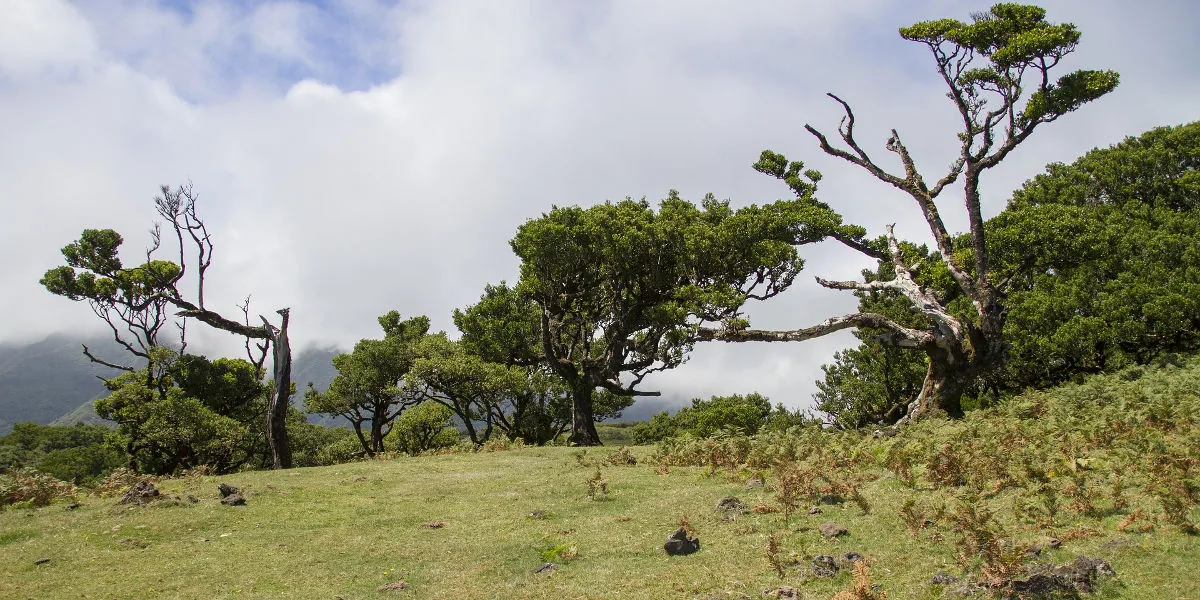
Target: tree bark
{"x": 583, "y": 423}
{"x": 277, "y": 436}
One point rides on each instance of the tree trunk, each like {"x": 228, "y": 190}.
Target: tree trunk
{"x": 583, "y": 424}
{"x": 947, "y": 377}
{"x": 277, "y": 437}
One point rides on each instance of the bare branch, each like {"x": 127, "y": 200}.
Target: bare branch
{"x": 835, "y": 324}
{"x": 88, "y": 353}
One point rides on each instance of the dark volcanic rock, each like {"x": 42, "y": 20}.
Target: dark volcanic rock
{"x": 830, "y": 529}
{"x": 679, "y": 543}
{"x": 234, "y": 499}
{"x": 847, "y": 560}
{"x": 783, "y": 592}
{"x": 731, "y": 504}
{"x": 141, "y": 493}
{"x": 824, "y": 565}
{"x": 546, "y": 568}
{"x": 227, "y": 490}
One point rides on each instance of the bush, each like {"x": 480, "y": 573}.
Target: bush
{"x": 32, "y": 486}
{"x": 731, "y": 414}
{"x": 421, "y": 428}
{"x": 309, "y": 441}
{"x": 346, "y": 449}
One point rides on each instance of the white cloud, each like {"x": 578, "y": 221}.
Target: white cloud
{"x": 361, "y": 157}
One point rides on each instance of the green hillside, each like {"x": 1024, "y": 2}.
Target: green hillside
{"x": 1107, "y": 468}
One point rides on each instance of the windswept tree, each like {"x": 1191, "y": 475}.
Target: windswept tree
{"x": 504, "y": 327}
{"x": 135, "y": 301}
{"x": 369, "y": 388}
{"x": 997, "y": 69}
{"x": 621, "y": 288}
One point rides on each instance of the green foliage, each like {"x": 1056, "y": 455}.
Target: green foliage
{"x": 369, "y": 387}
{"x": 1013, "y": 39}
{"x": 311, "y": 441}
{"x": 736, "y": 414}
{"x": 1101, "y": 257}
{"x": 79, "y": 453}
{"x": 210, "y": 417}
{"x": 621, "y": 287}
{"x": 426, "y": 426}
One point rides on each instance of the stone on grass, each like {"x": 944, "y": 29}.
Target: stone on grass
{"x": 42, "y": 561}
{"x": 433, "y": 524}
{"x": 943, "y": 578}
{"x": 234, "y": 499}
{"x": 679, "y": 543}
{"x": 227, "y": 490}
{"x": 537, "y": 514}
{"x": 824, "y": 565}
{"x": 830, "y": 529}
{"x": 393, "y": 586}
{"x": 816, "y": 510}
{"x": 731, "y": 504}
{"x": 784, "y": 592}
{"x": 141, "y": 493}
{"x": 847, "y": 560}
{"x": 545, "y": 569}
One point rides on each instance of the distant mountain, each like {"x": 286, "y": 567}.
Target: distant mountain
{"x": 51, "y": 381}
{"x": 42, "y": 381}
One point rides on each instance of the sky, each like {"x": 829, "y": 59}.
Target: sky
{"x": 354, "y": 157}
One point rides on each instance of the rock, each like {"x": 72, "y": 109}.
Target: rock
{"x": 783, "y": 591}
{"x": 943, "y": 578}
{"x": 227, "y": 490}
{"x": 42, "y": 561}
{"x": 433, "y": 524}
{"x": 141, "y": 493}
{"x": 395, "y": 585}
{"x": 754, "y": 483}
{"x": 73, "y": 506}
{"x": 816, "y": 510}
{"x": 830, "y": 529}
{"x": 1053, "y": 543}
{"x": 537, "y": 514}
{"x": 831, "y": 499}
{"x": 1034, "y": 551}
{"x": 824, "y": 565}
{"x": 134, "y": 543}
{"x": 545, "y": 569}
{"x": 884, "y": 433}
{"x": 679, "y": 544}
{"x": 191, "y": 499}
{"x": 1077, "y": 576}
{"x": 1084, "y": 571}
{"x": 847, "y": 560}
{"x": 234, "y": 499}
{"x": 731, "y": 504}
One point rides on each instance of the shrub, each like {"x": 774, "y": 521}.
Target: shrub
{"x": 421, "y": 428}
{"x": 32, "y": 486}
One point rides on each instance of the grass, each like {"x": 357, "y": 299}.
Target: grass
{"x": 343, "y": 531}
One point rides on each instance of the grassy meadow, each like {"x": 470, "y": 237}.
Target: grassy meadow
{"x": 1108, "y": 468}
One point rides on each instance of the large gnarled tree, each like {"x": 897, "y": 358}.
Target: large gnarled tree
{"x": 134, "y": 301}
{"x": 622, "y": 288}
{"x": 997, "y": 69}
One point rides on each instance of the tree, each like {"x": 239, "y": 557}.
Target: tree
{"x": 621, "y": 289}
{"x": 134, "y": 301}
{"x": 504, "y": 328}
{"x": 997, "y": 70}
{"x": 369, "y": 387}
{"x": 196, "y": 413}
{"x": 1102, "y": 256}
{"x": 426, "y": 426}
